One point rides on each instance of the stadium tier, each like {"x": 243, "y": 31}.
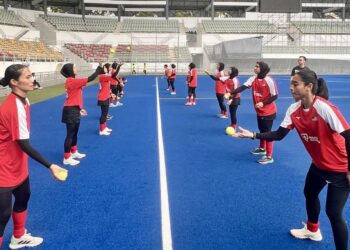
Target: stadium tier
{"x": 150, "y": 26}
{"x": 27, "y": 50}
{"x": 78, "y": 24}
{"x": 10, "y": 18}
{"x": 182, "y": 54}
{"x": 329, "y": 27}
{"x": 90, "y": 52}
{"x": 238, "y": 26}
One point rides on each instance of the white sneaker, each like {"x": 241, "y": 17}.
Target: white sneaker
{"x": 173, "y": 93}
{"x": 224, "y": 116}
{"x": 112, "y": 105}
{"x": 305, "y": 233}
{"x": 109, "y": 130}
{"x": 104, "y": 132}
{"x": 265, "y": 160}
{"x": 77, "y": 155}
{"x": 70, "y": 161}
{"x": 25, "y": 241}
{"x": 118, "y": 104}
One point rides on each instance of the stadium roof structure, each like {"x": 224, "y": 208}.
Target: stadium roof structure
{"x": 171, "y": 8}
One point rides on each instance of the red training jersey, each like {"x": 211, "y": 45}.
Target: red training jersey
{"x": 319, "y": 128}
{"x": 262, "y": 90}
{"x": 220, "y": 86}
{"x": 232, "y": 84}
{"x": 172, "y": 74}
{"x": 167, "y": 73}
{"x": 105, "y": 88}
{"x": 74, "y": 91}
{"x": 14, "y": 125}
{"x": 193, "y": 74}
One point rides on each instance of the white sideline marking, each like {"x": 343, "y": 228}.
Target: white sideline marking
{"x": 166, "y": 226}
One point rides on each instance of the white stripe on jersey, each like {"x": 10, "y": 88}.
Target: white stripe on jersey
{"x": 235, "y": 82}
{"x": 287, "y": 121}
{"x": 329, "y": 116}
{"x": 271, "y": 85}
{"x": 222, "y": 76}
{"x": 22, "y": 120}
{"x": 250, "y": 81}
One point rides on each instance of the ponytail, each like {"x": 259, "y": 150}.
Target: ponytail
{"x": 319, "y": 85}
{"x": 322, "y": 89}
{"x": 234, "y": 72}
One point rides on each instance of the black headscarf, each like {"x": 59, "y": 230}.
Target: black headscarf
{"x": 67, "y": 70}
{"x": 114, "y": 65}
{"x": 264, "y": 69}
{"x": 221, "y": 66}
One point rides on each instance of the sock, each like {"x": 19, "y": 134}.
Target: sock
{"x": 269, "y": 147}
{"x": 234, "y": 126}
{"x": 19, "y": 222}
{"x": 313, "y": 227}
{"x": 102, "y": 126}
{"x": 263, "y": 144}
{"x": 66, "y": 155}
{"x": 74, "y": 149}
{"x": 1, "y": 241}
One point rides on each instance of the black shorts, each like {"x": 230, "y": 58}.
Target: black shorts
{"x": 71, "y": 114}
{"x": 336, "y": 179}
{"x": 103, "y": 103}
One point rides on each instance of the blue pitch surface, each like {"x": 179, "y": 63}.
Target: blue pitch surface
{"x": 219, "y": 197}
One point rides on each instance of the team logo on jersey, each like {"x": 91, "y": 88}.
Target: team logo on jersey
{"x": 314, "y": 119}
{"x": 309, "y": 138}
{"x": 257, "y": 94}
{"x": 298, "y": 117}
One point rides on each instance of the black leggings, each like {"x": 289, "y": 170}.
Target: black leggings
{"x": 233, "y": 110}
{"x": 192, "y": 92}
{"x": 172, "y": 83}
{"x": 119, "y": 90}
{"x": 222, "y": 105}
{"x": 72, "y": 136}
{"x": 337, "y": 195}
{"x": 21, "y": 194}
{"x": 168, "y": 81}
{"x": 104, "y": 113}
{"x": 265, "y": 123}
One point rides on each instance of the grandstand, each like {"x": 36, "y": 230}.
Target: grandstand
{"x": 10, "y": 18}
{"x": 89, "y": 24}
{"x": 107, "y": 32}
{"x": 14, "y": 50}
{"x": 150, "y": 26}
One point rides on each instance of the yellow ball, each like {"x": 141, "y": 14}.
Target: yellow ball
{"x": 62, "y": 175}
{"x": 227, "y": 96}
{"x": 112, "y": 50}
{"x": 230, "y": 130}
